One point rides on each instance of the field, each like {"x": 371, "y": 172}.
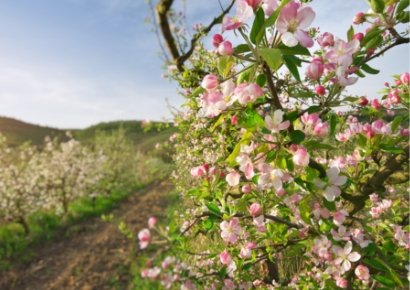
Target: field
{"x": 88, "y": 246}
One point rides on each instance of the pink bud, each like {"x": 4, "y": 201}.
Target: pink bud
{"x": 234, "y": 120}
{"x": 363, "y": 101}
{"x": 210, "y": 82}
{"x": 255, "y": 209}
{"x": 225, "y": 48}
{"x": 375, "y": 104}
{"x": 315, "y": 70}
{"x": 326, "y": 39}
{"x": 359, "y": 18}
{"x": 253, "y": 3}
{"x": 225, "y": 257}
{"x": 217, "y": 40}
{"x": 280, "y": 192}
{"x": 342, "y": 283}
{"x": 320, "y": 90}
{"x": 362, "y": 272}
{"x": 152, "y": 222}
{"x": 321, "y": 129}
{"x": 405, "y": 78}
{"x": 246, "y": 188}
{"x": 405, "y": 132}
{"x": 359, "y": 36}
{"x": 144, "y": 237}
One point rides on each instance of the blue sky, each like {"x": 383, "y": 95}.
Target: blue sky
{"x": 73, "y": 63}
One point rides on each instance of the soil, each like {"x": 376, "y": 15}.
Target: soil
{"x": 95, "y": 255}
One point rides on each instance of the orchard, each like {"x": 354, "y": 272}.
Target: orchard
{"x": 286, "y": 180}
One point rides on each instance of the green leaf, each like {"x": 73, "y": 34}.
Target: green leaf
{"x": 213, "y": 208}
{"x": 333, "y": 123}
{"x": 384, "y": 280}
{"x": 297, "y": 136}
{"x": 371, "y": 35}
{"x": 329, "y": 205}
{"x": 350, "y": 33}
{"x": 291, "y": 116}
{"x": 305, "y": 209}
{"x": 272, "y": 56}
{"x": 250, "y": 119}
{"x": 404, "y": 17}
{"x": 245, "y": 75}
{"x": 391, "y": 149}
{"x": 261, "y": 80}
{"x": 218, "y": 122}
{"x": 403, "y": 4}
{"x": 224, "y": 65}
{"x": 207, "y": 224}
{"x": 197, "y": 92}
{"x": 237, "y": 149}
{"x": 314, "y": 109}
{"x": 257, "y": 26}
{"x": 396, "y": 123}
{"x": 361, "y": 141}
{"x": 374, "y": 42}
{"x": 369, "y": 69}
{"x": 313, "y": 144}
{"x": 377, "y": 5}
{"x": 241, "y": 48}
{"x": 291, "y": 64}
{"x": 296, "y": 50}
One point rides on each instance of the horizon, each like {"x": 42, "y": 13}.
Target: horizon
{"x": 72, "y": 63}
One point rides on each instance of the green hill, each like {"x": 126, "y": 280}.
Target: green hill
{"x": 144, "y": 135}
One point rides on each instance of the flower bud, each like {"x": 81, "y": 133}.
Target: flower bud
{"x": 326, "y": 39}
{"x": 225, "y": 48}
{"x": 405, "y": 78}
{"x": 359, "y": 36}
{"x": 363, "y": 101}
{"x": 255, "y": 209}
{"x": 320, "y": 90}
{"x": 315, "y": 70}
{"x": 210, "y": 82}
{"x": 217, "y": 40}
{"x": 359, "y": 18}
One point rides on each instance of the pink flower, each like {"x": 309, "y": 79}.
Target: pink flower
{"x": 269, "y": 6}
{"x": 405, "y": 78}
{"x": 255, "y": 209}
{"x": 292, "y": 22}
{"x": 326, "y": 39}
{"x": 225, "y": 257}
{"x": 253, "y": 3}
{"x": 152, "y": 222}
{"x": 216, "y": 40}
{"x": 339, "y": 217}
{"x": 198, "y": 171}
{"x": 259, "y": 222}
{"x": 243, "y": 12}
{"x": 275, "y": 122}
{"x": 362, "y": 272}
{"x": 233, "y": 178}
{"x": 225, "y": 48}
{"x": 321, "y": 129}
{"x": 144, "y": 237}
{"x": 334, "y": 181}
{"x": 342, "y": 283}
{"x": 212, "y": 103}
{"x": 345, "y": 256}
{"x": 230, "y": 230}
{"x": 301, "y": 157}
{"x": 234, "y": 120}
{"x": 210, "y": 82}
{"x": 246, "y": 93}
{"x": 309, "y": 119}
{"x": 315, "y": 70}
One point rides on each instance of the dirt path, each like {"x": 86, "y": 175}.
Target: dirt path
{"x": 95, "y": 256}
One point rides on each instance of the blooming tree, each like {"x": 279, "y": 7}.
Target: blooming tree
{"x": 288, "y": 181}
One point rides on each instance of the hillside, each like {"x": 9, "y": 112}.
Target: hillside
{"x": 144, "y": 135}
{"x": 18, "y": 132}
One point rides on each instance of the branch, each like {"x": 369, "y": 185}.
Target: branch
{"x": 399, "y": 41}
{"x": 272, "y": 88}
{"x": 162, "y": 10}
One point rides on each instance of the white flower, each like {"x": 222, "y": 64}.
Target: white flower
{"x": 345, "y": 256}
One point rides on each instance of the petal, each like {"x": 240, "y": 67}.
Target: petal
{"x": 346, "y": 265}
{"x": 348, "y": 247}
{"x": 305, "y": 17}
{"x": 354, "y": 257}
{"x": 304, "y": 38}
{"x": 289, "y": 39}
{"x": 340, "y": 180}
{"x": 278, "y": 116}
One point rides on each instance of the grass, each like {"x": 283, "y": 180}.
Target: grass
{"x": 16, "y": 247}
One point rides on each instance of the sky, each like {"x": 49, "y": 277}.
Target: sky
{"x": 74, "y": 63}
